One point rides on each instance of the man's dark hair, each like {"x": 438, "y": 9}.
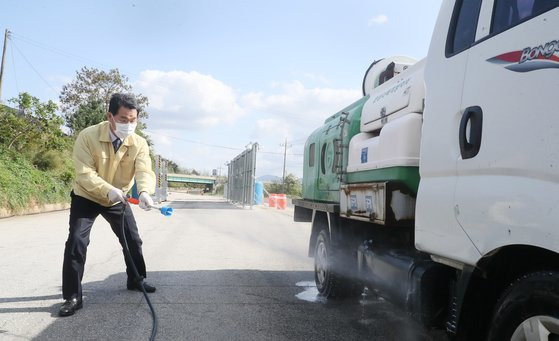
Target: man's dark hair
{"x": 122, "y": 100}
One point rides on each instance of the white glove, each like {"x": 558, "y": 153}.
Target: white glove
{"x": 116, "y": 195}
{"x": 145, "y": 201}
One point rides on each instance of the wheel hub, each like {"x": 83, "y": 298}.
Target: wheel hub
{"x": 537, "y": 328}
{"x": 321, "y": 263}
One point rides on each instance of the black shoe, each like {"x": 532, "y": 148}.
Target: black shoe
{"x": 136, "y": 286}
{"x": 70, "y": 306}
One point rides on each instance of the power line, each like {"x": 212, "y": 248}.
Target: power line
{"x": 56, "y": 50}
{"x": 298, "y": 141}
{"x": 276, "y": 169}
{"x": 67, "y": 54}
{"x": 34, "y": 69}
{"x": 195, "y": 142}
{"x": 212, "y": 145}
{"x": 278, "y": 153}
{"x": 14, "y": 66}
{"x": 265, "y": 110}
{"x": 74, "y": 56}
{"x": 71, "y": 55}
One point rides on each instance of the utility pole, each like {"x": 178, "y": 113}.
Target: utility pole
{"x": 284, "y": 157}
{"x": 6, "y": 36}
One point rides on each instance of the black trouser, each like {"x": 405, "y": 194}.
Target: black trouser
{"x": 82, "y": 215}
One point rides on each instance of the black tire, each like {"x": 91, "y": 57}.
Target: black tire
{"x": 329, "y": 267}
{"x": 532, "y": 298}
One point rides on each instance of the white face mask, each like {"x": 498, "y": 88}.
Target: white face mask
{"x": 125, "y": 129}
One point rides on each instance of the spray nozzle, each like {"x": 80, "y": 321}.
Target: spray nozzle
{"x": 165, "y": 210}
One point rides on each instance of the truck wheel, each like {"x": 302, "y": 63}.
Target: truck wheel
{"x": 528, "y": 309}
{"x": 327, "y": 265}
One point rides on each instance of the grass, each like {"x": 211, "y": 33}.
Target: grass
{"x": 23, "y": 185}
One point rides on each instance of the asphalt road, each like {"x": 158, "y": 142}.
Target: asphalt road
{"x": 222, "y": 273}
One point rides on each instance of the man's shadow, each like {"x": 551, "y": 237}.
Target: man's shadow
{"x": 219, "y": 305}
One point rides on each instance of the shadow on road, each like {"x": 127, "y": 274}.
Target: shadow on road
{"x": 226, "y": 305}
{"x": 27, "y": 299}
{"x": 24, "y": 309}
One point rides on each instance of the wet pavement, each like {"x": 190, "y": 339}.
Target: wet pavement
{"x": 222, "y": 273}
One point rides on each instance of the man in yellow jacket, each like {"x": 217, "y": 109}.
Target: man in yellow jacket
{"x": 107, "y": 157}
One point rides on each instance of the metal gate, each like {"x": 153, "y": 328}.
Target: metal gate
{"x": 161, "y": 179}
{"x": 240, "y": 177}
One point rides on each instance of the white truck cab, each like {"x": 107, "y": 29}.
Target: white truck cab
{"x": 489, "y": 153}
{"x": 447, "y": 194}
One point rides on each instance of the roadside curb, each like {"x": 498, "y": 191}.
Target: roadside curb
{"x": 36, "y": 209}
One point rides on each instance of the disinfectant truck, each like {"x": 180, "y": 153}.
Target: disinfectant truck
{"x": 439, "y": 188}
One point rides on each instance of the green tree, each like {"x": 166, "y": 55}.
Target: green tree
{"x": 172, "y": 166}
{"x": 293, "y": 186}
{"x": 92, "y": 85}
{"x": 87, "y": 114}
{"x": 273, "y": 187}
{"x": 34, "y": 126}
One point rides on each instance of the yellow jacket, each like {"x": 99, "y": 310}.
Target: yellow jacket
{"x": 99, "y": 169}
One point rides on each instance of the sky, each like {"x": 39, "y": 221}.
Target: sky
{"x": 219, "y": 75}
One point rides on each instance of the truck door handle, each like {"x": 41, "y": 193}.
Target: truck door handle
{"x": 469, "y": 146}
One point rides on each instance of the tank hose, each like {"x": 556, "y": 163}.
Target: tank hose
{"x": 137, "y": 278}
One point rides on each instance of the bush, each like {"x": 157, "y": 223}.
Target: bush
{"x": 67, "y": 176}
{"x": 35, "y": 165}
{"x": 293, "y": 186}
{"x": 51, "y": 160}
{"x": 22, "y": 184}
